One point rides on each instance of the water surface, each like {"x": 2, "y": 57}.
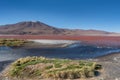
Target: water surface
{"x": 8, "y": 54}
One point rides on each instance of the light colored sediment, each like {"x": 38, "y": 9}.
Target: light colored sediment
{"x": 44, "y": 41}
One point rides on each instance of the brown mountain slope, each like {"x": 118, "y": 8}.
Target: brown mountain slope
{"x": 29, "y": 28}
{"x": 38, "y": 28}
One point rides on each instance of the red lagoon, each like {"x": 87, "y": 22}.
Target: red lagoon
{"x": 96, "y": 40}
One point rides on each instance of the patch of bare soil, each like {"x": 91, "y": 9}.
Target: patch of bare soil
{"x": 111, "y": 67}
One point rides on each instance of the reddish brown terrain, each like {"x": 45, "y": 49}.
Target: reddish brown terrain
{"x": 94, "y": 40}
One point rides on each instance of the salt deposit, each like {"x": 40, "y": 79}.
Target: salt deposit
{"x": 44, "y": 41}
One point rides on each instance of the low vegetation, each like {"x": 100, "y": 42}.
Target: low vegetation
{"x": 45, "y": 68}
{"x": 12, "y": 42}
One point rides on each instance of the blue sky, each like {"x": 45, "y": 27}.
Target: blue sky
{"x": 75, "y": 14}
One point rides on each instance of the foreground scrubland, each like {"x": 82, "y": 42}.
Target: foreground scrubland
{"x": 45, "y": 68}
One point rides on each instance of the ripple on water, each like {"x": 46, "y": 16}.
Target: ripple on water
{"x": 77, "y": 51}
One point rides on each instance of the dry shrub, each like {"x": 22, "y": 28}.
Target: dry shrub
{"x": 52, "y": 68}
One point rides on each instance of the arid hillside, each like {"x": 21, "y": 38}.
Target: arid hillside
{"x": 39, "y": 28}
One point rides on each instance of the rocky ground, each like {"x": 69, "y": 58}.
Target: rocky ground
{"x": 111, "y": 67}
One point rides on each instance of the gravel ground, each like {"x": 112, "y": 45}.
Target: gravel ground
{"x": 111, "y": 67}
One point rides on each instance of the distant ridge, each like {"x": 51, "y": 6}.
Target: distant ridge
{"x": 39, "y": 28}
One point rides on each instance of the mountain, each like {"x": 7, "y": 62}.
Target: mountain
{"x": 29, "y": 27}
{"x": 39, "y": 28}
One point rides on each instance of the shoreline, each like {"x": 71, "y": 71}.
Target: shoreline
{"x": 108, "y": 57}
